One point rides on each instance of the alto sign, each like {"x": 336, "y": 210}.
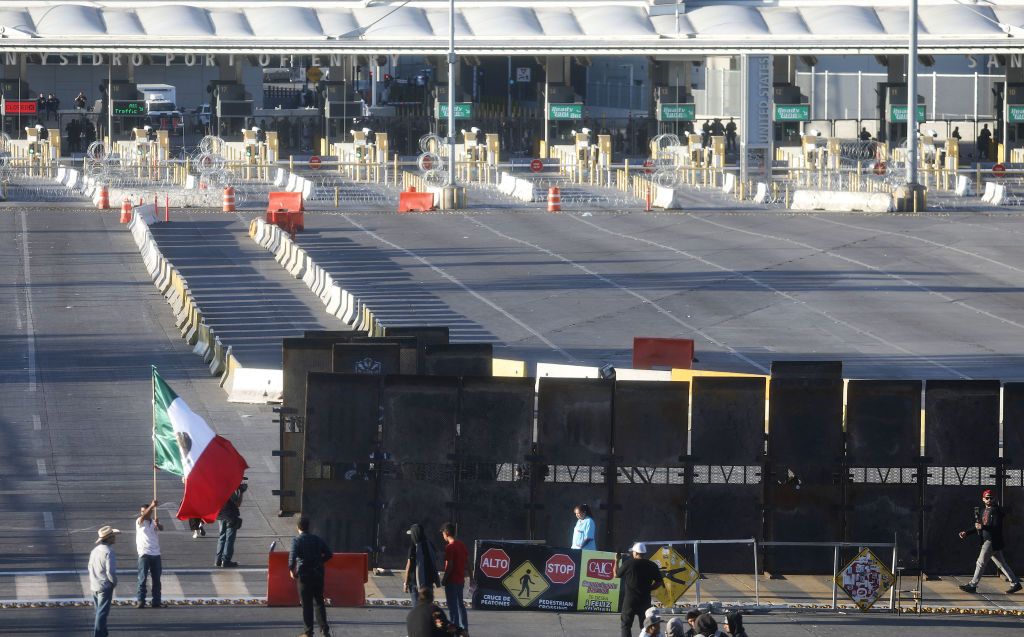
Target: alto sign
{"x": 560, "y": 568}
{"x": 494, "y": 563}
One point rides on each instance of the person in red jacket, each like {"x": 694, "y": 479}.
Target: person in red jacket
{"x": 454, "y": 579}
{"x": 988, "y": 524}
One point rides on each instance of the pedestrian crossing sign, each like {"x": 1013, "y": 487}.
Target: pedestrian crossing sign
{"x": 865, "y": 579}
{"x": 677, "y": 575}
{"x": 525, "y": 583}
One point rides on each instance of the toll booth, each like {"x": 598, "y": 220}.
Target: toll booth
{"x": 893, "y": 112}
{"x": 17, "y": 106}
{"x": 365, "y": 157}
{"x": 232, "y": 108}
{"x": 340, "y": 108}
{"x": 790, "y": 111}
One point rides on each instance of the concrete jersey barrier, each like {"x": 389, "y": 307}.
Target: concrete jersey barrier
{"x": 841, "y": 201}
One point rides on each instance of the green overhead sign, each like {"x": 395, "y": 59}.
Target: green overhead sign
{"x": 898, "y": 113}
{"x": 128, "y": 108}
{"x": 677, "y": 112}
{"x": 792, "y": 112}
{"x": 565, "y": 111}
{"x": 1015, "y": 114}
{"x": 463, "y": 110}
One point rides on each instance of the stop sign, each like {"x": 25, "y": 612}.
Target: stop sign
{"x": 880, "y": 168}
{"x": 648, "y": 166}
{"x": 494, "y": 563}
{"x": 536, "y": 165}
{"x": 314, "y": 162}
{"x": 999, "y": 170}
{"x": 560, "y": 568}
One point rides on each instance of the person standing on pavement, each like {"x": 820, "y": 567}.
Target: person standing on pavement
{"x": 421, "y": 566}
{"x": 147, "y": 543}
{"x": 705, "y": 626}
{"x": 988, "y": 523}
{"x": 230, "y": 520}
{"x": 103, "y": 577}
{"x": 454, "y": 578}
{"x": 734, "y": 625}
{"x": 584, "y": 534}
{"x": 306, "y": 566}
{"x": 639, "y": 576}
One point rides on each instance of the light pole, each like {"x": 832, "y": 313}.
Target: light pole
{"x": 451, "y": 98}
{"x": 912, "y": 100}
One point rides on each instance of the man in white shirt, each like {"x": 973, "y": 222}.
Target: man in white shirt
{"x": 103, "y": 577}
{"x": 147, "y": 542}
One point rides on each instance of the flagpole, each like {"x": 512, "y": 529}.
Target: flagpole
{"x": 152, "y": 398}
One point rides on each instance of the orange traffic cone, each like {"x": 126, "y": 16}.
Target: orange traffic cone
{"x": 554, "y": 199}
{"x": 126, "y": 211}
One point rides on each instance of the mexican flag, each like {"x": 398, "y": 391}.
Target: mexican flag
{"x": 186, "y": 446}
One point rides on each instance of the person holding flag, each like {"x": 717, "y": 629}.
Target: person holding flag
{"x": 183, "y": 444}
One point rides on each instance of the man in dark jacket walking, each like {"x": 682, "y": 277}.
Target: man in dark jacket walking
{"x": 306, "y": 565}
{"x": 230, "y": 520}
{"x": 988, "y": 523}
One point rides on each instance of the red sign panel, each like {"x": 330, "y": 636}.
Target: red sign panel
{"x": 494, "y": 563}
{"x": 536, "y": 165}
{"x": 560, "y": 568}
{"x": 880, "y": 168}
{"x": 600, "y": 569}
{"x": 314, "y": 162}
{"x": 999, "y": 170}
{"x": 648, "y": 166}
{"x": 20, "y": 107}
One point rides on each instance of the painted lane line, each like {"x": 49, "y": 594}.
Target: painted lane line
{"x": 37, "y": 423}
{"x": 774, "y": 290}
{"x": 229, "y": 584}
{"x": 41, "y": 467}
{"x": 271, "y": 465}
{"x": 645, "y": 300}
{"x": 494, "y": 306}
{"x": 30, "y": 329}
{"x": 48, "y": 520}
{"x": 171, "y": 586}
{"x": 31, "y": 587}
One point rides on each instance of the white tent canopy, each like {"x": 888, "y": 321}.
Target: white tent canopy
{"x": 503, "y": 27}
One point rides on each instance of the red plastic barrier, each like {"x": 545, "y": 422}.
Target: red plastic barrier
{"x": 344, "y": 578}
{"x": 413, "y": 201}
{"x": 666, "y": 352}
{"x": 285, "y": 210}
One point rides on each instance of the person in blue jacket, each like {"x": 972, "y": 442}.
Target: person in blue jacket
{"x": 584, "y": 534}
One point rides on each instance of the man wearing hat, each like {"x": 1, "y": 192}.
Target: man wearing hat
{"x": 639, "y": 576}
{"x": 103, "y": 577}
{"x": 652, "y": 626}
{"x": 988, "y": 523}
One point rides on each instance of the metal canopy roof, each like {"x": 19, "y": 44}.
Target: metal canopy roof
{"x": 503, "y": 27}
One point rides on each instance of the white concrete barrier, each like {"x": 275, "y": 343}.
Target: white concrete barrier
{"x": 292, "y": 180}
{"x": 251, "y": 385}
{"x": 842, "y": 201}
{"x": 280, "y": 177}
{"x": 307, "y": 189}
{"x": 999, "y": 196}
{"x": 523, "y": 190}
{"x": 665, "y": 198}
{"x": 964, "y": 186}
{"x": 728, "y": 183}
{"x": 761, "y": 193}
{"x": 990, "y": 191}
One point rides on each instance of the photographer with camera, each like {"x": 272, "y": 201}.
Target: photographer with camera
{"x": 230, "y": 520}
{"x": 639, "y": 576}
{"x": 988, "y": 523}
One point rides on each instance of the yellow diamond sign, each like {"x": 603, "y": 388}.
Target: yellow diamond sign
{"x": 678, "y": 575}
{"x": 865, "y": 579}
{"x": 525, "y": 583}
{"x": 313, "y": 74}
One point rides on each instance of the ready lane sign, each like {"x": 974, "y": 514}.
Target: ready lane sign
{"x": 525, "y": 583}
{"x": 565, "y": 111}
{"x": 792, "y": 112}
{"x": 898, "y": 113}
{"x": 677, "y": 112}
{"x": 865, "y": 579}
{"x": 677, "y": 575}
{"x": 463, "y": 110}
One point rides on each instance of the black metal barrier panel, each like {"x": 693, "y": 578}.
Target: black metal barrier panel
{"x": 574, "y": 435}
{"x": 805, "y": 456}
{"x": 426, "y": 335}
{"x": 1013, "y": 468}
{"x": 377, "y": 359}
{"x": 649, "y": 435}
{"x": 339, "y": 482}
{"x": 727, "y": 455}
{"x": 494, "y": 451}
{"x": 420, "y": 420}
{"x": 299, "y": 356}
{"x": 519, "y": 576}
{"x": 459, "y": 359}
{"x": 883, "y": 453}
{"x": 408, "y": 351}
{"x": 962, "y": 449}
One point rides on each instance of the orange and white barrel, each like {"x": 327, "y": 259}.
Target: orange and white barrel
{"x": 554, "y": 199}
{"x": 126, "y": 211}
{"x": 104, "y": 200}
{"x": 229, "y": 199}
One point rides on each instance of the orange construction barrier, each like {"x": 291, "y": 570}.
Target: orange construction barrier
{"x": 554, "y": 199}
{"x": 126, "y": 211}
{"x": 229, "y": 199}
{"x": 285, "y": 210}
{"x": 345, "y": 576}
{"x": 104, "y": 202}
{"x": 674, "y": 353}
{"x": 412, "y": 201}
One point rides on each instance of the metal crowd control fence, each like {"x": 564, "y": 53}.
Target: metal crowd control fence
{"x": 757, "y": 546}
